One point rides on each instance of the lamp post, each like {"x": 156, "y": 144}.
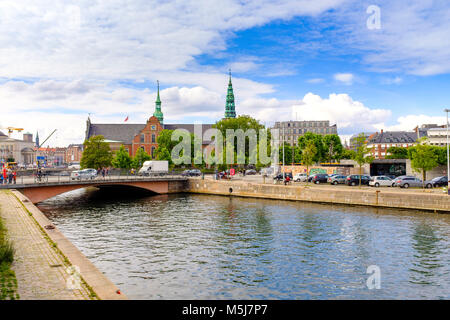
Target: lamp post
{"x": 282, "y": 141}
{"x": 448, "y": 160}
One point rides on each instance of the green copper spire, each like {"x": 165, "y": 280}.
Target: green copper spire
{"x": 158, "y": 113}
{"x": 229, "y": 106}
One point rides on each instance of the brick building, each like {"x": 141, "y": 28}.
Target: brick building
{"x": 379, "y": 142}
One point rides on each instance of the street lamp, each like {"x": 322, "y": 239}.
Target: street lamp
{"x": 282, "y": 140}
{"x": 448, "y": 160}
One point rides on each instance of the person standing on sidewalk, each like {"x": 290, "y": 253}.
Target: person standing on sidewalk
{"x": 5, "y": 175}
{"x": 14, "y": 176}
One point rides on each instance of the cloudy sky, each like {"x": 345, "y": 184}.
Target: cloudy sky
{"x": 291, "y": 59}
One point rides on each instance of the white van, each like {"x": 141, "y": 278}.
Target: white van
{"x": 154, "y": 168}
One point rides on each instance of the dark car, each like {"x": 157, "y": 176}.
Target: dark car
{"x": 250, "y": 172}
{"x": 186, "y": 173}
{"x": 279, "y": 177}
{"x": 195, "y": 173}
{"x": 437, "y": 182}
{"x": 353, "y": 180}
{"x": 319, "y": 178}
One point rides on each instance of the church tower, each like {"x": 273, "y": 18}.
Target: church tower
{"x": 229, "y": 106}
{"x": 158, "y": 113}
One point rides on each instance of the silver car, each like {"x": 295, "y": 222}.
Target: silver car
{"x": 84, "y": 174}
{"x": 337, "y": 179}
{"x": 381, "y": 181}
{"x": 406, "y": 182}
{"x": 300, "y": 177}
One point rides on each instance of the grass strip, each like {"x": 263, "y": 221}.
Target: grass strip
{"x": 8, "y": 281}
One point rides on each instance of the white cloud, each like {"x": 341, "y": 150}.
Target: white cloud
{"x": 117, "y": 39}
{"x": 316, "y": 80}
{"x": 409, "y": 122}
{"x": 349, "y": 115}
{"x": 346, "y": 78}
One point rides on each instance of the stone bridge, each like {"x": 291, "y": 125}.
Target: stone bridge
{"x": 38, "y": 191}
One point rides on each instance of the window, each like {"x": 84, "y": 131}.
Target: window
{"x": 153, "y": 138}
{"x": 142, "y": 138}
{"x": 153, "y": 152}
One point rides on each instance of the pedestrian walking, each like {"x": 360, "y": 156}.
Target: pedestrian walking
{"x": 14, "y": 176}
{"x": 287, "y": 180}
{"x": 10, "y": 176}
{"x": 5, "y": 175}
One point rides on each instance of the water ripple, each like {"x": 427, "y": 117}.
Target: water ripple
{"x": 209, "y": 247}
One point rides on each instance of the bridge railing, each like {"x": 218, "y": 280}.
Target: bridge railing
{"x": 64, "y": 178}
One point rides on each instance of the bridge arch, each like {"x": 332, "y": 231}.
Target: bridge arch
{"x": 43, "y": 192}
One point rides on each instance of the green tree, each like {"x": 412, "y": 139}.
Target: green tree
{"x": 333, "y": 148}
{"x": 139, "y": 159}
{"x": 122, "y": 159}
{"x": 397, "y": 153}
{"x": 423, "y": 158}
{"x": 243, "y": 122}
{"x": 360, "y": 155}
{"x": 308, "y": 155}
{"x": 287, "y": 153}
{"x": 165, "y": 142}
{"x": 441, "y": 153}
{"x": 317, "y": 139}
{"x": 164, "y": 154}
{"x": 348, "y": 154}
{"x": 96, "y": 154}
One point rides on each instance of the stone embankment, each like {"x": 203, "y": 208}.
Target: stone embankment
{"x": 46, "y": 263}
{"x": 386, "y": 197}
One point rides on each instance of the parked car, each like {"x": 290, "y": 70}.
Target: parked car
{"x": 191, "y": 173}
{"x": 185, "y": 173}
{"x": 74, "y": 165}
{"x": 381, "y": 181}
{"x": 250, "y": 172}
{"x": 300, "y": 177}
{"x": 437, "y": 182}
{"x": 279, "y": 177}
{"x": 84, "y": 174}
{"x": 320, "y": 178}
{"x": 337, "y": 179}
{"x": 353, "y": 180}
{"x": 195, "y": 173}
{"x": 408, "y": 181}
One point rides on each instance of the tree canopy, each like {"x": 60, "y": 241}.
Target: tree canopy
{"x": 139, "y": 159}
{"x": 397, "y": 153}
{"x": 333, "y": 147}
{"x": 96, "y": 154}
{"x": 423, "y": 158}
{"x": 122, "y": 159}
{"x": 244, "y": 123}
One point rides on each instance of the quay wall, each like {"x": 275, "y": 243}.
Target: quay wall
{"x": 417, "y": 200}
{"x": 95, "y": 279}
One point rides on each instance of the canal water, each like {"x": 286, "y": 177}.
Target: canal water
{"x": 210, "y": 247}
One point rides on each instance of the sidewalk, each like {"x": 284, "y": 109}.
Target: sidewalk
{"x": 40, "y": 269}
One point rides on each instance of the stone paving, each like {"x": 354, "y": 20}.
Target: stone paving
{"x": 41, "y": 271}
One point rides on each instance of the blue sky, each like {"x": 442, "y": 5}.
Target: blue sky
{"x": 314, "y": 60}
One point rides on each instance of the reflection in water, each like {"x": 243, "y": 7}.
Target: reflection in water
{"x": 211, "y": 247}
{"x": 427, "y": 264}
